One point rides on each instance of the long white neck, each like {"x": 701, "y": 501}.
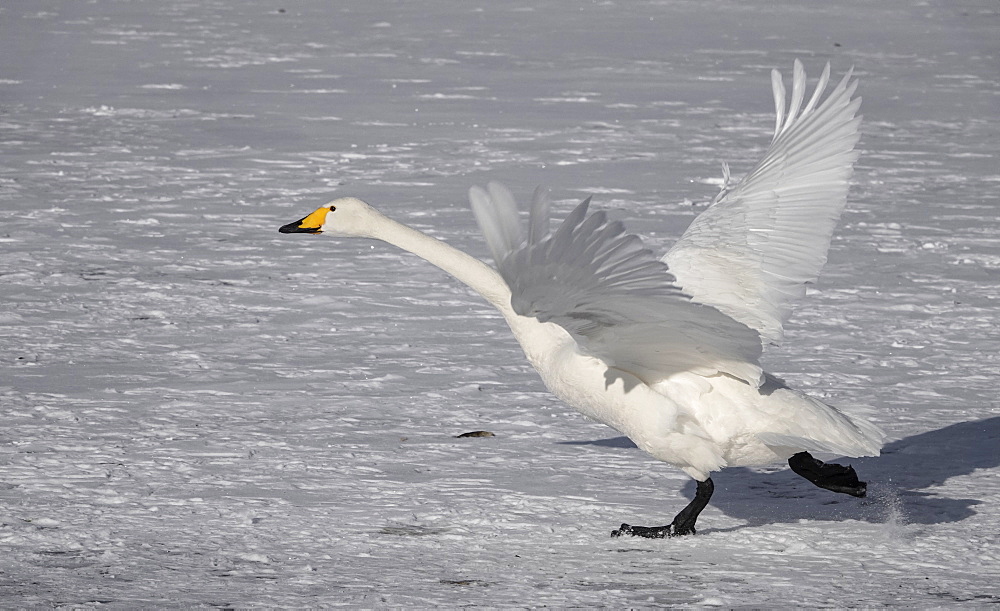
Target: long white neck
{"x": 479, "y": 276}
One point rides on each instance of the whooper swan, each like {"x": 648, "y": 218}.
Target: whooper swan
{"x": 667, "y": 351}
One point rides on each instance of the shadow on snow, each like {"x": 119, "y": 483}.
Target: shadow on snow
{"x": 899, "y": 481}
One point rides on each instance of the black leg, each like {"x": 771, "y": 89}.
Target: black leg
{"x": 837, "y": 478}
{"x": 683, "y": 524}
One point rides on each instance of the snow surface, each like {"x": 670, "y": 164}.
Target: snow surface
{"x": 198, "y": 411}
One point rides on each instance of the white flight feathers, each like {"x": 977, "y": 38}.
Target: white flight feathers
{"x": 725, "y": 286}
{"x": 612, "y": 294}
{"x": 752, "y": 252}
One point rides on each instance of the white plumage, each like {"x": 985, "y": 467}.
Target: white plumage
{"x": 667, "y": 351}
{"x": 751, "y": 253}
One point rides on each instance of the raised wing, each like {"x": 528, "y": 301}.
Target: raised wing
{"x": 751, "y": 253}
{"x": 609, "y": 292}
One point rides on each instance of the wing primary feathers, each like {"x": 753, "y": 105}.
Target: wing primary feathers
{"x": 824, "y": 79}
{"x": 485, "y": 213}
{"x": 798, "y": 91}
{"x": 778, "y": 87}
{"x": 538, "y": 227}
{"x": 496, "y": 212}
{"x": 751, "y": 252}
{"x": 563, "y": 236}
{"x": 507, "y": 214}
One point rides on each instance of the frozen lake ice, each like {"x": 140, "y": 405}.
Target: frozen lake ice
{"x": 201, "y": 412}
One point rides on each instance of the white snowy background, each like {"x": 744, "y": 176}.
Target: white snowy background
{"x": 200, "y": 412}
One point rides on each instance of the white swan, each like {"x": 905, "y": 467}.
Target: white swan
{"x": 667, "y": 352}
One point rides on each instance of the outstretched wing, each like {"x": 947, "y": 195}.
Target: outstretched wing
{"x": 752, "y": 251}
{"x": 610, "y": 293}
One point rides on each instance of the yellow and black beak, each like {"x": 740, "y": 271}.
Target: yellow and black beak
{"x": 310, "y": 224}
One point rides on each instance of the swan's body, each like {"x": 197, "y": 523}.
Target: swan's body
{"x": 667, "y": 352}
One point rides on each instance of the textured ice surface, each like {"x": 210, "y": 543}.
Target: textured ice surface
{"x": 198, "y": 411}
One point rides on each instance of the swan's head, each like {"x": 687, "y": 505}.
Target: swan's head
{"x": 347, "y": 216}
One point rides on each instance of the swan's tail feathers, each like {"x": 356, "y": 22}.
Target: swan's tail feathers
{"x": 855, "y": 438}
{"x": 804, "y": 423}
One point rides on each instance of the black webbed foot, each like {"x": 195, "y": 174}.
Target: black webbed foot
{"x": 649, "y": 532}
{"x": 833, "y": 477}
{"x": 682, "y": 525}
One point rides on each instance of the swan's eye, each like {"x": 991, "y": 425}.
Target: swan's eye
{"x": 333, "y": 208}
